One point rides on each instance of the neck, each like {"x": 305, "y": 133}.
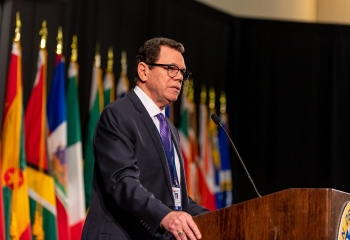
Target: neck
{"x": 144, "y": 88}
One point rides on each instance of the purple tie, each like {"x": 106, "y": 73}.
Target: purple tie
{"x": 166, "y": 139}
{"x": 164, "y": 133}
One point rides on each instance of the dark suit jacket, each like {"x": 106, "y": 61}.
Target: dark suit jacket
{"x": 131, "y": 186}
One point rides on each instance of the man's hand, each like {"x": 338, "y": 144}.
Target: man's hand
{"x": 181, "y": 225}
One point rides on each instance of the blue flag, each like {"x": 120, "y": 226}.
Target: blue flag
{"x": 57, "y": 144}
{"x": 225, "y": 171}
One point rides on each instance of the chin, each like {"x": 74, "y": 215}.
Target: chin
{"x": 172, "y": 98}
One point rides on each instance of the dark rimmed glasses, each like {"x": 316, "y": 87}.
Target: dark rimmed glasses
{"x": 172, "y": 70}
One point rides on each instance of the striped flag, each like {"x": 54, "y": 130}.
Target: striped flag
{"x": 206, "y": 174}
{"x": 57, "y": 143}
{"x": 13, "y": 165}
{"x": 185, "y": 141}
{"x": 188, "y": 143}
{"x": 192, "y": 134}
{"x": 40, "y": 184}
{"x": 108, "y": 87}
{"x": 225, "y": 171}
{"x": 96, "y": 106}
{"x": 76, "y": 198}
{"x": 215, "y": 156}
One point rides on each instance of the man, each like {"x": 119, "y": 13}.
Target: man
{"x": 138, "y": 164}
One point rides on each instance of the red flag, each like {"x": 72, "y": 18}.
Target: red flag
{"x": 14, "y": 171}
{"x": 188, "y": 144}
{"x": 206, "y": 174}
{"x": 41, "y": 185}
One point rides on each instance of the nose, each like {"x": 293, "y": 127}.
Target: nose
{"x": 179, "y": 77}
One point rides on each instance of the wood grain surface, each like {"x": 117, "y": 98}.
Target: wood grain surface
{"x": 298, "y": 214}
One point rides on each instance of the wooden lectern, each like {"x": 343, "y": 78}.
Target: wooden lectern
{"x": 299, "y": 214}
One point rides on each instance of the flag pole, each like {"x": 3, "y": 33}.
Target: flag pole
{"x": 123, "y": 63}
{"x": 124, "y": 66}
{"x": 59, "y": 38}
{"x": 99, "y": 84}
{"x": 222, "y": 102}
{"x": 109, "y": 70}
{"x": 74, "y": 46}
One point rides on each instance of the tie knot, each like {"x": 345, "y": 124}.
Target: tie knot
{"x": 160, "y": 117}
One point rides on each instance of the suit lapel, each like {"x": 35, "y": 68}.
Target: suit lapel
{"x": 153, "y": 132}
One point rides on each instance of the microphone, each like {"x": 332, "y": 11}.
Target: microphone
{"x": 217, "y": 121}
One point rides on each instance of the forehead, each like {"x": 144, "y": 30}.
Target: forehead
{"x": 169, "y": 55}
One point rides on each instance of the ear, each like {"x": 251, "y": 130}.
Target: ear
{"x": 142, "y": 70}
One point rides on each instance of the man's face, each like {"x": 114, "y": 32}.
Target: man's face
{"x": 161, "y": 88}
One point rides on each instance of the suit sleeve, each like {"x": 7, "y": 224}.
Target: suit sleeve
{"x": 196, "y": 209}
{"x": 116, "y": 161}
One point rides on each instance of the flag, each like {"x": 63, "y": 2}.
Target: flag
{"x": 215, "y": 156}
{"x": 2, "y": 220}
{"x": 185, "y": 141}
{"x": 96, "y": 106}
{"x": 57, "y": 143}
{"x": 13, "y": 165}
{"x": 108, "y": 87}
{"x": 192, "y": 136}
{"x": 123, "y": 82}
{"x": 122, "y": 86}
{"x": 188, "y": 144}
{"x": 40, "y": 185}
{"x": 76, "y": 198}
{"x": 206, "y": 174}
{"x": 225, "y": 171}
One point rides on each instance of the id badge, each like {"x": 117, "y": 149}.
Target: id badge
{"x": 177, "y": 198}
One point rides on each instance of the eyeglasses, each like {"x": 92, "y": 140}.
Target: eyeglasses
{"x": 172, "y": 70}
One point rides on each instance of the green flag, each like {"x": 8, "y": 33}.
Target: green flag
{"x": 96, "y": 106}
{"x": 76, "y": 198}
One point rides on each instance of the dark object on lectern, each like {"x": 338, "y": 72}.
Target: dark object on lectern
{"x": 313, "y": 213}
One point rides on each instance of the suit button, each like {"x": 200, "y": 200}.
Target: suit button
{"x": 168, "y": 234}
{"x": 171, "y": 207}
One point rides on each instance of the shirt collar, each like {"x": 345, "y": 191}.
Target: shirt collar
{"x": 150, "y": 106}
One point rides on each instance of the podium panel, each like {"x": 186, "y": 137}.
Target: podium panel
{"x": 295, "y": 213}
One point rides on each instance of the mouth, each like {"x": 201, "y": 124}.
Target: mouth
{"x": 176, "y": 88}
